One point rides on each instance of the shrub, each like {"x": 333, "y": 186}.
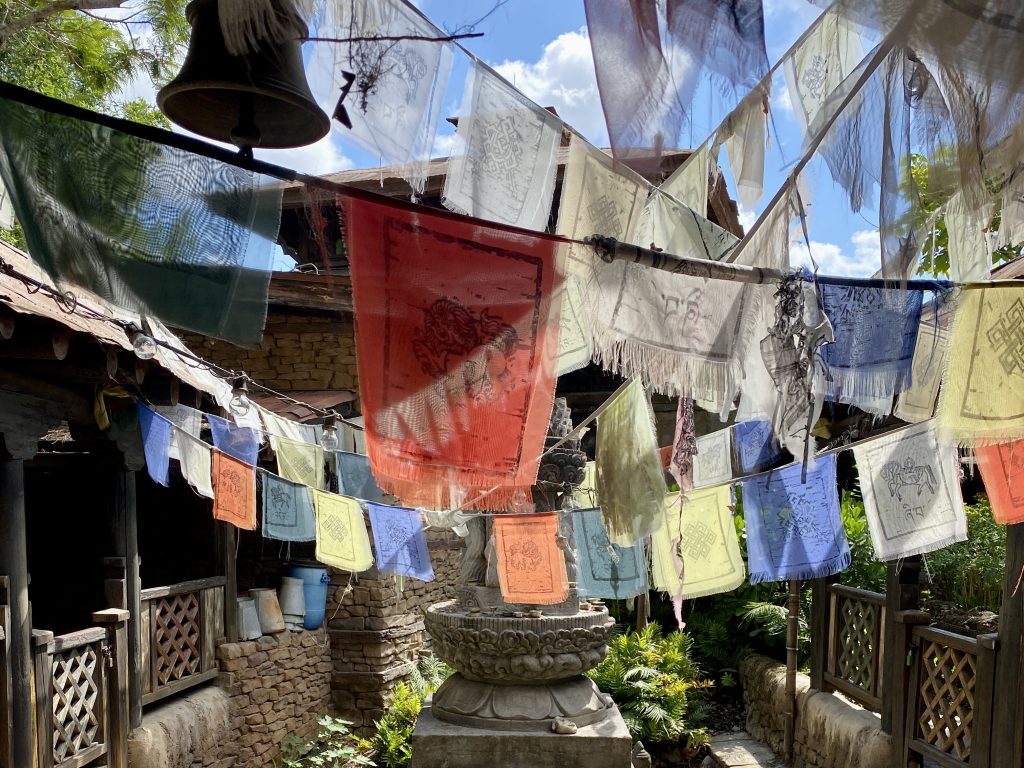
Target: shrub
{"x": 656, "y": 685}
{"x": 391, "y": 745}
{"x": 970, "y": 573}
{"x": 332, "y": 747}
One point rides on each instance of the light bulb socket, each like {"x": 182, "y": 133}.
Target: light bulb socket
{"x": 240, "y": 386}
{"x": 142, "y": 343}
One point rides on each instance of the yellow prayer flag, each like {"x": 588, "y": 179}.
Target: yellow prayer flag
{"x": 341, "y": 539}
{"x": 706, "y": 537}
{"x": 299, "y": 462}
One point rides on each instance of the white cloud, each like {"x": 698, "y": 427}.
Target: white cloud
{"x": 563, "y": 77}
{"x": 833, "y": 259}
{"x": 746, "y": 218}
{"x": 317, "y": 159}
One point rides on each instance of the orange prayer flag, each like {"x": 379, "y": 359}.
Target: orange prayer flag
{"x": 531, "y": 566}
{"x": 234, "y": 491}
{"x": 1002, "y": 469}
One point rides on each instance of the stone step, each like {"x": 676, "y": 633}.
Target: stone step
{"x": 738, "y": 749}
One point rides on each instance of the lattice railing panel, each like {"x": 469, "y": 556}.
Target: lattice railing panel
{"x": 946, "y": 712}
{"x": 858, "y": 642}
{"x": 177, "y": 639}
{"x": 76, "y": 701}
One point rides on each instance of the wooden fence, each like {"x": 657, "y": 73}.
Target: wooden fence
{"x": 180, "y": 626}
{"x": 935, "y": 690}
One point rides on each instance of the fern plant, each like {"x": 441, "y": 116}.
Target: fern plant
{"x": 656, "y": 685}
{"x": 333, "y": 747}
{"x": 391, "y": 745}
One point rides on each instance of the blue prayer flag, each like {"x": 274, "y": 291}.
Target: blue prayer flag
{"x": 606, "y": 570}
{"x": 241, "y": 442}
{"x": 399, "y": 540}
{"x": 755, "y": 445}
{"x": 287, "y": 510}
{"x": 355, "y": 477}
{"x": 156, "y": 442}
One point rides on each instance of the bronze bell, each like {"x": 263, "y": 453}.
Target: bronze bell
{"x": 260, "y": 99}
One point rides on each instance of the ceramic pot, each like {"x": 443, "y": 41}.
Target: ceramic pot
{"x": 248, "y": 621}
{"x": 269, "y": 610}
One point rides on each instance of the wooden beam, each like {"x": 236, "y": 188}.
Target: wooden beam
{"x": 902, "y": 593}
{"x": 224, "y": 542}
{"x": 115, "y": 621}
{"x": 76, "y": 406}
{"x": 124, "y": 521}
{"x": 1006, "y": 720}
{"x": 14, "y": 565}
{"x": 161, "y": 389}
{"x": 37, "y": 341}
{"x": 8, "y": 317}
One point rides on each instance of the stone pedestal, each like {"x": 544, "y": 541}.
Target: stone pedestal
{"x": 437, "y": 744}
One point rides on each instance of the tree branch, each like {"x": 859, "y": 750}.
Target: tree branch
{"x": 41, "y": 15}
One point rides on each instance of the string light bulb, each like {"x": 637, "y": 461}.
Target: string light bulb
{"x": 240, "y": 403}
{"x": 143, "y": 344}
{"x": 329, "y": 439}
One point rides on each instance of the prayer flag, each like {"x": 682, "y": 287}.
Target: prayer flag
{"x": 606, "y": 570}
{"x": 355, "y": 478}
{"x": 341, "y": 539}
{"x": 185, "y": 419}
{"x": 196, "y": 464}
{"x": 456, "y": 330}
{"x": 684, "y": 444}
{"x": 696, "y": 552}
{"x": 875, "y": 333}
{"x": 505, "y": 171}
{"x": 794, "y": 529}
{"x": 713, "y": 463}
{"x": 531, "y": 566}
{"x": 299, "y": 462}
{"x": 755, "y": 445}
{"x": 146, "y": 226}
{"x": 287, "y": 510}
{"x": 156, "y": 440}
{"x": 982, "y": 398}
{"x": 629, "y": 479}
{"x": 917, "y": 402}
{"x": 400, "y": 542}
{"x": 1002, "y": 469}
{"x": 234, "y": 491}
{"x": 240, "y": 442}
{"x": 911, "y": 490}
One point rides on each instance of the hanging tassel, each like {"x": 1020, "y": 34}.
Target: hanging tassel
{"x": 248, "y": 24}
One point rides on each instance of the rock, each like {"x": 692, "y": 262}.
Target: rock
{"x": 562, "y": 725}
{"x": 641, "y": 758}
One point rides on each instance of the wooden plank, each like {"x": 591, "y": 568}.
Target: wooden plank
{"x": 196, "y": 585}
{"x": 910, "y": 756}
{"x": 1006, "y": 721}
{"x": 150, "y": 663}
{"x": 902, "y": 593}
{"x": 819, "y": 631}
{"x": 116, "y": 621}
{"x": 43, "y": 705}
{"x": 145, "y": 643}
{"x": 217, "y": 621}
{"x": 224, "y": 537}
{"x": 933, "y": 755}
{"x": 208, "y": 632}
{"x": 79, "y": 638}
{"x": 855, "y": 692}
{"x": 855, "y": 593}
{"x": 6, "y": 760}
{"x": 125, "y": 537}
{"x": 84, "y": 757}
{"x": 14, "y": 564}
{"x": 984, "y": 701}
{"x": 951, "y": 639}
{"x": 179, "y": 685}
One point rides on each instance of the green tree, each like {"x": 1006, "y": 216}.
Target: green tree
{"x": 932, "y": 196}
{"x": 85, "y": 51}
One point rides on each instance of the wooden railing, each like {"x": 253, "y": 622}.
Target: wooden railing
{"x": 951, "y": 684}
{"x": 180, "y": 626}
{"x": 854, "y": 662}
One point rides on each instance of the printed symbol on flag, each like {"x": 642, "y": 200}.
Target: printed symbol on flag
{"x": 524, "y": 555}
{"x": 233, "y": 480}
{"x": 1007, "y": 337}
{"x": 698, "y": 540}
{"x": 454, "y": 343}
{"x": 282, "y": 510}
{"x": 336, "y": 528}
{"x": 910, "y": 475}
{"x": 815, "y": 76}
{"x": 795, "y": 523}
{"x": 604, "y": 211}
{"x": 499, "y": 151}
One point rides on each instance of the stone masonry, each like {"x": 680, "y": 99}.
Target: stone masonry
{"x": 278, "y": 686}
{"x": 831, "y": 732}
{"x": 297, "y": 352}
{"x": 377, "y": 632}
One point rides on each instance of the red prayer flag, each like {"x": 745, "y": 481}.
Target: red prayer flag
{"x": 456, "y": 332}
{"x": 1002, "y": 469}
{"x": 234, "y": 491}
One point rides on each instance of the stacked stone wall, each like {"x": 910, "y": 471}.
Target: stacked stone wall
{"x": 376, "y": 630}
{"x": 831, "y": 731}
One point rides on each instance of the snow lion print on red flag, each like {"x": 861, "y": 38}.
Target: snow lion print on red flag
{"x": 456, "y": 333}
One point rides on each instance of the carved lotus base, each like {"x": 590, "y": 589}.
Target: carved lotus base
{"x": 519, "y": 707}
{"x": 506, "y": 650}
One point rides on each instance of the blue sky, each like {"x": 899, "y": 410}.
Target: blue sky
{"x": 543, "y": 48}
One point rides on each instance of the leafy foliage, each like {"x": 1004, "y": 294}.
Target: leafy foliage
{"x": 333, "y": 747}
{"x": 656, "y": 685}
{"x": 970, "y": 573}
{"x": 391, "y": 744}
{"x": 865, "y": 571}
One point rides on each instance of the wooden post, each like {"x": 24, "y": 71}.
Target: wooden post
{"x": 902, "y": 653}
{"x": 42, "y": 651}
{"x": 984, "y": 701}
{"x": 792, "y": 639}
{"x": 116, "y": 621}
{"x": 225, "y": 538}
{"x": 14, "y": 563}
{"x": 1006, "y": 720}
{"x": 126, "y": 546}
{"x": 821, "y": 630}
{"x": 902, "y": 593}
{"x": 6, "y": 761}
